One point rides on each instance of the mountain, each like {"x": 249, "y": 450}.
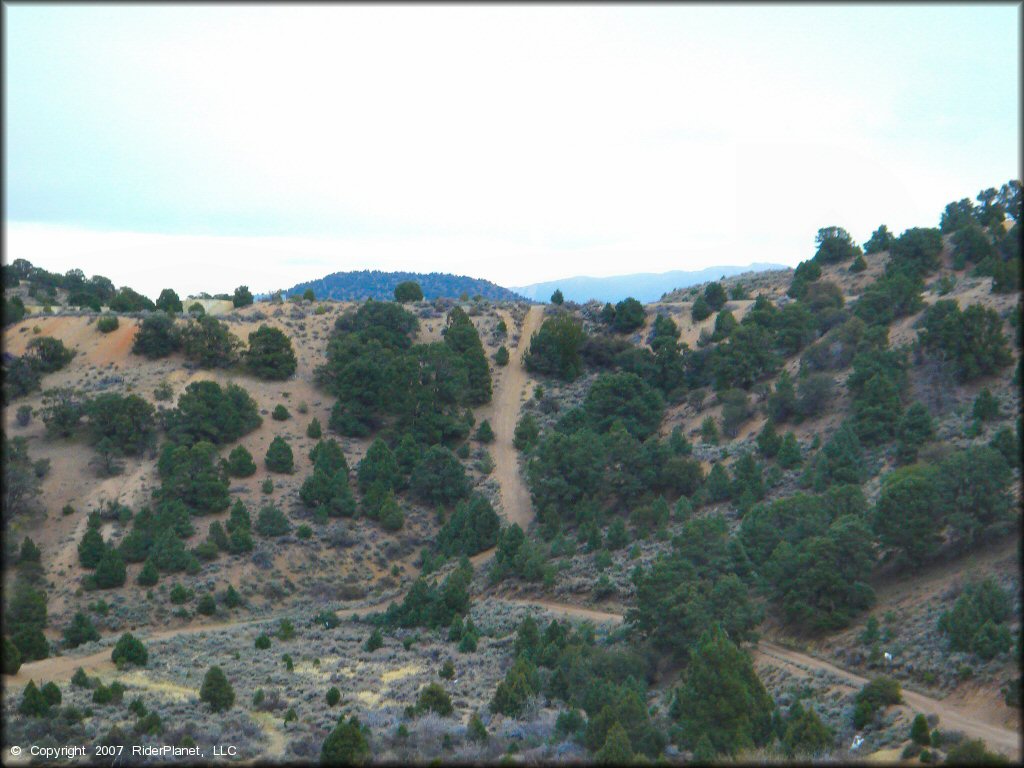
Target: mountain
{"x": 645, "y": 286}
{"x": 374, "y": 284}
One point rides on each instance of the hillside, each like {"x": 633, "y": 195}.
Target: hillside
{"x": 380, "y": 286}
{"x": 496, "y": 528}
{"x": 646, "y": 287}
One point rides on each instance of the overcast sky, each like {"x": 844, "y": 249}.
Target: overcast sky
{"x": 202, "y": 147}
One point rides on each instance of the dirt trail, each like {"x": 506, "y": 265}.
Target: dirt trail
{"x": 63, "y": 667}
{"x": 503, "y": 413}
{"x": 950, "y": 717}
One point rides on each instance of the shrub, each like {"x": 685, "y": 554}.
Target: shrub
{"x": 129, "y": 651}
{"x": 280, "y": 413}
{"x": 986, "y": 406}
{"x": 262, "y": 642}
{"x": 107, "y": 324}
{"x": 206, "y": 605}
{"x": 374, "y": 641}
{"x": 157, "y": 337}
{"x": 434, "y": 698}
{"x": 878, "y": 693}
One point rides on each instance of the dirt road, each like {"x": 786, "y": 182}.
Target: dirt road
{"x": 950, "y": 717}
{"x": 503, "y": 413}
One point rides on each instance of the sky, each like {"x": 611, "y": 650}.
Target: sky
{"x": 200, "y": 147}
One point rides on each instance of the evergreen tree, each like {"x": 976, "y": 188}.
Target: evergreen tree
{"x": 986, "y": 406}
{"x": 270, "y": 354}
{"x": 110, "y": 571}
{"x": 129, "y": 651}
{"x": 240, "y": 462}
{"x": 279, "y": 456}
{"x": 169, "y": 301}
{"x": 839, "y": 461}
{"x": 216, "y": 690}
{"x": 555, "y": 348}
{"x": 91, "y": 548}
{"x": 80, "y": 630}
{"x": 11, "y": 658}
{"x": 33, "y": 703}
{"x": 905, "y": 514}
{"x": 439, "y": 478}
{"x": 790, "y": 456}
{"x": 345, "y": 745}
{"x": 915, "y": 428}
{"x": 718, "y": 485}
{"x": 805, "y": 734}
{"x": 617, "y": 749}
{"x": 919, "y": 732}
{"x": 148, "y": 575}
{"x": 25, "y": 620}
{"x": 484, "y": 433}
{"x": 700, "y": 309}
{"x": 722, "y": 697}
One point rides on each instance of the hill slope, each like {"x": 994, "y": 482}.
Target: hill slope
{"x": 374, "y": 284}
{"x": 645, "y": 286}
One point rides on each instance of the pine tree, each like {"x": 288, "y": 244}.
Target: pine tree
{"x": 919, "y": 731}
{"x": 216, "y": 690}
{"x": 476, "y": 730}
{"x": 722, "y": 696}
{"x": 789, "y": 453}
{"x": 91, "y": 548}
{"x": 79, "y": 631}
{"x": 374, "y": 641}
{"x": 110, "y": 571}
{"x": 616, "y": 750}
{"x": 129, "y": 651}
{"x": 149, "y": 575}
{"x": 345, "y": 745}
{"x": 279, "y": 456}
{"x": 240, "y": 463}
{"x": 11, "y": 658}
{"x": 32, "y": 702}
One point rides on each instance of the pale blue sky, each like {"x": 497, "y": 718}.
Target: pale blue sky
{"x": 518, "y": 144}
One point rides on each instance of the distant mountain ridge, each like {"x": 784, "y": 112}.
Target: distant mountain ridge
{"x": 374, "y": 284}
{"x": 644, "y": 286}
